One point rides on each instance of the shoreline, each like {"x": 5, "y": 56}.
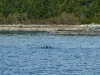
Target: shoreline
{"x": 54, "y": 29}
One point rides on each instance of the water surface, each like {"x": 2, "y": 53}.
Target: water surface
{"x": 26, "y": 54}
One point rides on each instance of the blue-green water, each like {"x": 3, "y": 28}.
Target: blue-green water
{"x": 26, "y": 54}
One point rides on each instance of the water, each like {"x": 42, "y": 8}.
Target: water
{"x": 26, "y": 54}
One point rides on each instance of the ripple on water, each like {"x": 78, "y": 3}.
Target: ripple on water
{"x": 69, "y": 55}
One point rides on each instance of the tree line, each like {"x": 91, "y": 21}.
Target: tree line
{"x": 49, "y": 11}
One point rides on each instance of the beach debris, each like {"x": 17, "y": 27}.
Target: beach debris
{"x": 20, "y": 25}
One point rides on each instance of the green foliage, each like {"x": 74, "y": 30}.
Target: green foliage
{"x": 88, "y": 11}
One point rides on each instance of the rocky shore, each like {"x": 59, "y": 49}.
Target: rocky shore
{"x": 55, "y": 29}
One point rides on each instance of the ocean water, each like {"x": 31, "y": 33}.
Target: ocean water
{"x": 41, "y": 53}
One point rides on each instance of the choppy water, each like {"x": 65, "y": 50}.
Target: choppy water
{"x": 25, "y": 54}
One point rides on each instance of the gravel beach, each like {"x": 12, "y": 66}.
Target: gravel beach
{"x": 55, "y": 29}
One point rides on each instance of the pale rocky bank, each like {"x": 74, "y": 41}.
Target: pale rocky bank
{"x": 55, "y": 29}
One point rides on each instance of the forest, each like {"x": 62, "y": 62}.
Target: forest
{"x": 49, "y": 12}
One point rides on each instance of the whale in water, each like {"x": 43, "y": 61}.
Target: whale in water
{"x": 46, "y": 47}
